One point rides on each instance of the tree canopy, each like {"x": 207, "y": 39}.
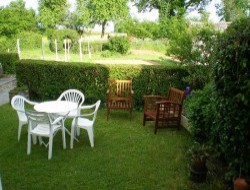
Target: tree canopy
{"x": 21, "y": 19}
{"x": 230, "y": 10}
{"x": 169, "y": 8}
{"x": 100, "y": 12}
{"x": 52, "y": 12}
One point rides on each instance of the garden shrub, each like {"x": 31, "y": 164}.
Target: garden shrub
{"x": 9, "y": 61}
{"x": 118, "y": 44}
{"x": 193, "y": 45}
{"x": 7, "y": 44}
{"x": 232, "y": 93}
{"x": 200, "y": 111}
{"x": 29, "y": 40}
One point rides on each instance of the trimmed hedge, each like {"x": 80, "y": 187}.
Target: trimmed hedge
{"x": 46, "y": 80}
{"x": 9, "y": 61}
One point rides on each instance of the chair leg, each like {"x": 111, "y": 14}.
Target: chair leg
{"x": 63, "y": 137}
{"x": 144, "y": 119}
{"x": 72, "y": 135}
{"x": 108, "y": 112}
{"x": 34, "y": 138}
{"x": 91, "y": 136}
{"x": 50, "y": 146}
{"x": 156, "y": 126}
{"x": 29, "y": 144}
{"x": 19, "y": 130}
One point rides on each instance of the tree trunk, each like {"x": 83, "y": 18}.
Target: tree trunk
{"x": 103, "y": 28}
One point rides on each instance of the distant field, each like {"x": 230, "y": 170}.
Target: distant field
{"x": 147, "y": 52}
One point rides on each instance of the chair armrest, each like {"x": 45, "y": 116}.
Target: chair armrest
{"x": 165, "y": 102}
{"x": 150, "y": 101}
{"x": 31, "y": 102}
{"x": 57, "y": 120}
{"x": 87, "y": 106}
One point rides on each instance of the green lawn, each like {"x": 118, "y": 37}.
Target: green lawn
{"x": 126, "y": 156}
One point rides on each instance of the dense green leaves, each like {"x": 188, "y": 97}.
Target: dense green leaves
{"x": 232, "y": 76}
{"x": 100, "y": 12}
{"x": 52, "y": 12}
{"x": 233, "y": 9}
{"x": 47, "y": 79}
{"x": 169, "y": 8}
{"x": 16, "y": 18}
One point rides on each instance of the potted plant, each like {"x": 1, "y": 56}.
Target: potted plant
{"x": 198, "y": 158}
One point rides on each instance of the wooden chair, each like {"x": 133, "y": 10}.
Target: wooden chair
{"x": 165, "y": 111}
{"x": 119, "y": 96}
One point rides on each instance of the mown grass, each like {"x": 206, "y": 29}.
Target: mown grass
{"x": 126, "y": 156}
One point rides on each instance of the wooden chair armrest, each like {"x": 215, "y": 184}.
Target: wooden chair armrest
{"x": 150, "y": 101}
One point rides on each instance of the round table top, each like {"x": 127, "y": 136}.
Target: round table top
{"x": 55, "y": 106}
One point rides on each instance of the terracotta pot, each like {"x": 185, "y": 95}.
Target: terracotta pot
{"x": 241, "y": 184}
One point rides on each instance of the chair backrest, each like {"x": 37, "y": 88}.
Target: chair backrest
{"x": 120, "y": 89}
{"x": 35, "y": 118}
{"x": 72, "y": 95}
{"x": 18, "y": 103}
{"x": 97, "y": 105}
{"x": 176, "y": 95}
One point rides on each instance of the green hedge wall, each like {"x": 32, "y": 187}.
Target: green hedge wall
{"x": 8, "y": 61}
{"x": 48, "y": 79}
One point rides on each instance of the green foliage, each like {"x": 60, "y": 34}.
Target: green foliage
{"x": 9, "y": 61}
{"x": 16, "y": 18}
{"x": 52, "y": 12}
{"x": 199, "y": 152}
{"x": 60, "y": 36}
{"x": 232, "y": 87}
{"x": 138, "y": 29}
{"x": 169, "y": 8}
{"x": 231, "y": 10}
{"x": 29, "y": 40}
{"x": 106, "y": 53}
{"x": 7, "y": 44}
{"x": 100, "y": 12}
{"x": 118, "y": 44}
{"x": 200, "y": 109}
{"x": 46, "y": 80}
{"x": 193, "y": 45}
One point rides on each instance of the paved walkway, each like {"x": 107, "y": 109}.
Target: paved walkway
{"x": 7, "y": 83}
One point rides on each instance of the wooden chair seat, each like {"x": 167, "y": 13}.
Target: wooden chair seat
{"x": 164, "y": 111}
{"x": 119, "y": 96}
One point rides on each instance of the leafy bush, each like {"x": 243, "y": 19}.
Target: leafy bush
{"x": 200, "y": 111}
{"x": 232, "y": 87}
{"x": 106, "y": 53}
{"x": 141, "y": 30}
{"x": 118, "y": 44}
{"x": 29, "y": 40}
{"x": 9, "y": 61}
{"x": 193, "y": 45}
{"x": 7, "y": 44}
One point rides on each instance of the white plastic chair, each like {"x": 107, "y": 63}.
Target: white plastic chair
{"x": 18, "y": 103}
{"x": 85, "y": 121}
{"x": 72, "y": 95}
{"x": 44, "y": 125}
